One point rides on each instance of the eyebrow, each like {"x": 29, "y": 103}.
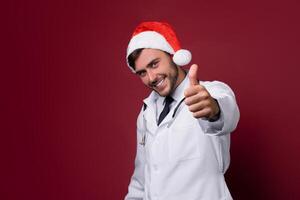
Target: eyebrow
{"x": 148, "y": 65}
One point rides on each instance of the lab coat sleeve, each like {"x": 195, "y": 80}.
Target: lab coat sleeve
{"x": 136, "y": 185}
{"x": 229, "y": 112}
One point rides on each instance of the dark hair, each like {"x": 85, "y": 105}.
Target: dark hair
{"x": 133, "y": 56}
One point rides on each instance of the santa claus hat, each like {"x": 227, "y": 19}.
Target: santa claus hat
{"x": 158, "y": 35}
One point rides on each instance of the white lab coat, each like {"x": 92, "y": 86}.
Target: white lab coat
{"x": 184, "y": 158}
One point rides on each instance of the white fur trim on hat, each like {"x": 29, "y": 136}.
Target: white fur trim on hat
{"x": 148, "y": 39}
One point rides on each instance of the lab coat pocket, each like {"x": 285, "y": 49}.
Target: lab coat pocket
{"x": 183, "y": 142}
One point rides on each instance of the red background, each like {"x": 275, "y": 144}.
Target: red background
{"x": 69, "y": 102}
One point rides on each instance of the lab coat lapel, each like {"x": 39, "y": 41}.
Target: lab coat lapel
{"x": 150, "y": 113}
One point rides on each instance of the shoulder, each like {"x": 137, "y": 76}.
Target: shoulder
{"x": 140, "y": 115}
{"x": 214, "y": 84}
{"x": 216, "y": 88}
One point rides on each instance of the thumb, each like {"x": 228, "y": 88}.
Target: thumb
{"x": 193, "y": 75}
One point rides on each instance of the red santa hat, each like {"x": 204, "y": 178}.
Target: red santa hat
{"x": 158, "y": 35}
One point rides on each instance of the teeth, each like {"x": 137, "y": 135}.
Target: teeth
{"x": 160, "y": 82}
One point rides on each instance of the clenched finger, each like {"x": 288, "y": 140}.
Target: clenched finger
{"x": 195, "y": 98}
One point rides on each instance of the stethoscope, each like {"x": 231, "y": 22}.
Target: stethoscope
{"x": 143, "y": 142}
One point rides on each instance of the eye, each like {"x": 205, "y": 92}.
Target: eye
{"x": 154, "y": 65}
{"x": 141, "y": 74}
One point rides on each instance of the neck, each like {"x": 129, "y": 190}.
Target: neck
{"x": 181, "y": 76}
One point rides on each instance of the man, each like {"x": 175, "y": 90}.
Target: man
{"x": 183, "y": 129}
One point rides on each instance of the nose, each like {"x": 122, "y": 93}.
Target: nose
{"x": 152, "y": 77}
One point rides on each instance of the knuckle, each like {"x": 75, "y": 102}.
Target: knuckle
{"x": 198, "y": 114}
{"x": 195, "y": 115}
{"x": 208, "y": 110}
{"x": 201, "y": 87}
{"x": 187, "y": 101}
{"x": 207, "y": 103}
{"x": 199, "y": 97}
{"x": 205, "y": 94}
{"x": 198, "y": 88}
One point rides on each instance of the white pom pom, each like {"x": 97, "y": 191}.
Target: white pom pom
{"x": 182, "y": 57}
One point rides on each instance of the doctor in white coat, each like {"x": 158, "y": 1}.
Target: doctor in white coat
{"x": 183, "y": 129}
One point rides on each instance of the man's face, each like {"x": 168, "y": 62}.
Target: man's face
{"x": 157, "y": 71}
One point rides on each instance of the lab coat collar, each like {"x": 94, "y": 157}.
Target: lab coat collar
{"x": 151, "y": 99}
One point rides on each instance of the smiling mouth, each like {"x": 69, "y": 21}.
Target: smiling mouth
{"x": 160, "y": 84}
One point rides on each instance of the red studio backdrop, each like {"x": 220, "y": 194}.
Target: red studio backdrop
{"x": 69, "y": 103}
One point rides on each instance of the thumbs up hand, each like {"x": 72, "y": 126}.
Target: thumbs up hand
{"x": 198, "y": 99}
